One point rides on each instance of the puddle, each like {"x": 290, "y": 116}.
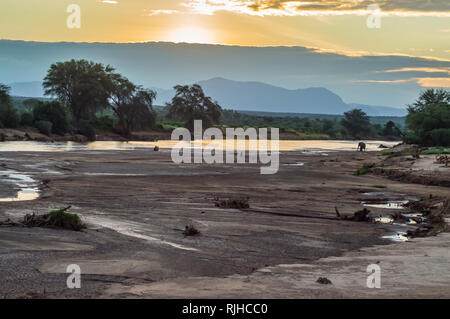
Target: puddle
{"x": 384, "y": 219}
{"x": 398, "y": 237}
{"x": 392, "y": 204}
{"x": 384, "y": 194}
{"x": 28, "y": 186}
{"x": 295, "y": 164}
{"x": 131, "y": 229}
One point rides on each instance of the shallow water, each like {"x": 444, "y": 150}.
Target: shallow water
{"x": 28, "y": 186}
{"x": 393, "y": 204}
{"x": 398, "y": 237}
{"x": 311, "y": 146}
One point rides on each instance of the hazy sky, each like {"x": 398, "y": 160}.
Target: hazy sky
{"x": 412, "y": 27}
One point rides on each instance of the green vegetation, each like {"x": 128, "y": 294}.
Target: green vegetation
{"x": 436, "y": 151}
{"x": 62, "y": 219}
{"x": 356, "y": 123}
{"x": 88, "y": 97}
{"x": 55, "y": 113}
{"x": 314, "y": 127}
{"x": 428, "y": 119}
{"x": 362, "y": 171}
{"x": 44, "y": 127}
{"x": 190, "y": 104}
{"x": 9, "y": 116}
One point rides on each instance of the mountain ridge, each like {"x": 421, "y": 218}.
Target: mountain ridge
{"x": 254, "y": 96}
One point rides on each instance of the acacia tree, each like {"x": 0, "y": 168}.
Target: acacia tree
{"x": 428, "y": 119}
{"x": 4, "y": 94}
{"x": 132, "y": 104}
{"x": 83, "y": 86}
{"x": 190, "y": 103}
{"x": 9, "y": 116}
{"x": 357, "y": 123}
{"x": 429, "y": 97}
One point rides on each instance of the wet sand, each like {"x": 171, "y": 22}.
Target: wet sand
{"x": 136, "y": 205}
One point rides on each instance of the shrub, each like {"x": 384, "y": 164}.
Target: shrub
{"x": 104, "y": 122}
{"x": 45, "y": 127}
{"x": 9, "y": 116}
{"x": 190, "y": 230}
{"x": 62, "y": 219}
{"x": 85, "y": 128}
{"x": 55, "y": 113}
{"x": 361, "y": 171}
{"x": 436, "y": 151}
{"x": 440, "y": 136}
{"x": 27, "y": 119}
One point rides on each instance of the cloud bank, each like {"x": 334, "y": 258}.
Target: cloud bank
{"x": 440, "y": 8}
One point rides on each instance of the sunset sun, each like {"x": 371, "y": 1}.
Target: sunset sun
{"x": 190, "y": 35}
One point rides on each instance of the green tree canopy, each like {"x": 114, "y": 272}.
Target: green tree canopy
{"x": 83, "y": 86}
{"x": 53, "y": 112}
{"x": 356, "y": 123}
{"x": 4, "y": 94}
{"x": 9, "y": 116}
{"x": 429, "y": 97}
{"x": 132, "y": 104}
{"x": 190, "y": 103}
{"x": 429, "y": 119}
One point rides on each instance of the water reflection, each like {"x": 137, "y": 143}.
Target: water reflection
{"x": 28, "y": 187}
{"x": 310, "y": 146}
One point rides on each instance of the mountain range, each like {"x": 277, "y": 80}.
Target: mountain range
{"x": 369, "y": 80}
{"x": 253, "y": 96}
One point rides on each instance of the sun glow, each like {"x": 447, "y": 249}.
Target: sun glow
{"x": 190, "y": 35}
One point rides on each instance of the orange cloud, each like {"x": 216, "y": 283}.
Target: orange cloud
{"x": 434, "y": 82}
{"x": 402, "y": 8}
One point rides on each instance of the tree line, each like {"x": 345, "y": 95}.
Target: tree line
{"x": 88, "y": 96}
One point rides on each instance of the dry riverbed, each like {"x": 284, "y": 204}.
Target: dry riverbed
{"x": 136, "y": 205}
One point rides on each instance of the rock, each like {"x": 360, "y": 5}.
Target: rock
{"x": 324, "y": 281}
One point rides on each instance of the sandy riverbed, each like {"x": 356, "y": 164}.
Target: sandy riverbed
{"x": 137, "y": 203}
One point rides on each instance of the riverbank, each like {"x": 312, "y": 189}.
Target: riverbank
{"x": 32, "y": 134}
{"x": 137, "y": 204}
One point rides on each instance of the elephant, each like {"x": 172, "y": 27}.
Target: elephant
{"x": 361, "y": 146}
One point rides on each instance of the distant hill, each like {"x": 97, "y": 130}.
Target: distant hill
{"x": 254, "y": 96}
{"x": 262, "y": 97}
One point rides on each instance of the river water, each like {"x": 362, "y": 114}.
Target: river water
{"x": 284, "y": 145}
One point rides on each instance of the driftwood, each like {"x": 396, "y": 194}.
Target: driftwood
{"x": 442, "y": 159}
{"x": 359, "y": 216}
{"x": 190, "y": 230}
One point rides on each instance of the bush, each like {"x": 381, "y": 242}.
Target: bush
{"x": 9, "y": 116}
{"x": 436, "y": 151}
{"x": 27, "y": 119}
{"x": 440, "y": 136}
{"x": 45, "y": 127}
{"x": 361, "y": 171}
{"x": 85, "y": 128}
{"x": 190, "y": 230}
{"x": 55, "y": 113}
{"x": 104, "y": 122}
{"x": 62, "y": 219}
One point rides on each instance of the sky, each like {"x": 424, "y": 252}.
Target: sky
{"x": 354, "y": 28}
